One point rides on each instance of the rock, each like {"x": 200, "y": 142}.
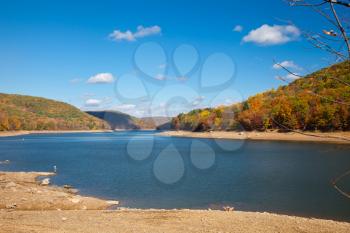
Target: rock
{"x": 45, "y": 181}
{"x": 61, "y": 194}
{"x": 111, "y": 202}
{"x": 66, "y": 186}
{"x": 228, "y": 208}
{"x": 11, "y": 206}
{"x": 72, "y": 191}
{"x": 10, "y": 185}
{"x": 64, "y": 218}
{"x": 75, "y": 200}
{"x": 5, "y": 161}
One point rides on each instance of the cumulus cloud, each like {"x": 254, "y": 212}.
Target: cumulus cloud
{"x": 101, "y": 78}
{"x": 286, "y": 64}
{"x": 93, "y": 103}
{"x": 272, "y": 35}
{"x": 238, "y": 28}
{"x": 140, "y": 32}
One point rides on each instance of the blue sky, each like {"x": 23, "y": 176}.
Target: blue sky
{"x": 149, "y": 57}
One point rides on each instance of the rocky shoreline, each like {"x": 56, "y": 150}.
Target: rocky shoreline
{"x": 29, "y": 205}
{"x": 24, "y": 132}
{"x": 22, "y": 191}
{"x": 319, "y": 137}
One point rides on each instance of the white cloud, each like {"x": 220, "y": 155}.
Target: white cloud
{"x": 286, "y": 64}
{"x": 292, "y": 76}
{"x": 131, "y": 109}
{"x": 289, "y": 77}
{"x": 75, "y": 80}
{"x": 238, "y": 28}
{"x": 101, "y": 78}
{"x": 141, "y": 31}
{"x": 124, "y": 107}
{"x": 93, "y": 103}
{"x": 198, "y": 100}
{"x": 272, "y": 35}
{"x": 160, "y": 77}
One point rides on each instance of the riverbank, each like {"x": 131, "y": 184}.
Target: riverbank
{"x": 24, "y": 132}
{"x": 22, "y": 191}
{"x": 27, "y": 206}
{"x": 332, "y": 137}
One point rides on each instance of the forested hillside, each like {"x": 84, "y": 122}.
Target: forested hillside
{"x": 18, "y": 112}
{"x": 119, "y": 120}
{"x": 319, "y": 101}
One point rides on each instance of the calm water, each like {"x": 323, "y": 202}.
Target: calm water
{"x": 144, "y": 171}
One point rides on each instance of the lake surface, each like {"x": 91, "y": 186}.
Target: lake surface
{"x": 146, "y": 171}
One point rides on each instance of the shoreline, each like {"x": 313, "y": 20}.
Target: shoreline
{"x": 28, "y": 206}
{"x": 330, "y": 137}
{"x": 26, "y": 132}
{"x": 317, "y": 137}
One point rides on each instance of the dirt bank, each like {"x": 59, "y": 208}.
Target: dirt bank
{"x": 27, "y": 206}
{"x": 334, "y": 137}
{"x": 23, "y": 132}
{"x": 21, "y": 191}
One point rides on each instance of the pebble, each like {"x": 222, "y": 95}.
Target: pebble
{"x": 75, "y": 200}
{"x": 10, "y": 185}
{"x": 111, "y": 202}
{"x": 45, "y": 181}
{"x": 5, "y": 161}
{"x": 11, "y": 206}
{"x": 64, "y": 218}
{"x": 228, "y": 208}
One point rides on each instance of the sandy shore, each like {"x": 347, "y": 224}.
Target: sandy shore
{"x": 23, "y": 132}
{"x": 333, "y": 137}
{"x": 27, "y": 206}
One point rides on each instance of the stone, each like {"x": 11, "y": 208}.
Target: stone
{"x": 11, "y": 206}
{"x": 10, "y": 185}
{"x": 45, "y": 181}
{"x": 111, "y": 202}
{"x": 75, "y": 200}
{"x": 5, "y": 161}
{"x": 228, "y": 208}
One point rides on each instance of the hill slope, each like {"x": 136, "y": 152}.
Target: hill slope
{"x": 116, "y": 120}
{"x": 119, "y": 120}
{"x": 319, "y": 101}
{"x": 18, "y": 112}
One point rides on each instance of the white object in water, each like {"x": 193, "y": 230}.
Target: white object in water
{"x": 54, "y": 169}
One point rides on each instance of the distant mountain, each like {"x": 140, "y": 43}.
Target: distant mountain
{"x": 19, "y": 112}
{"x": 319, "y": 101}
{"x": 119, "y": 120}
{"x": 154, "y": 122}
{"x": 116, "y": 120}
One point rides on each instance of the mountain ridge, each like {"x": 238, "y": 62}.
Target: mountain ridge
{"x": 24, "y": 112}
